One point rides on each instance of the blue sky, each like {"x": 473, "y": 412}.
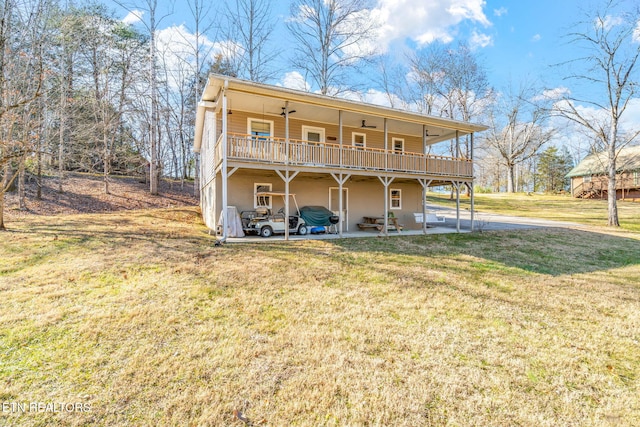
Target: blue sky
{"x": 517, "y": 40}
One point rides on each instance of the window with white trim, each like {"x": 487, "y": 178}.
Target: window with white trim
{"x": 398, "y": 144}
{"x": 636, "y": 178}
{"x": 259, "y": 128}
{"x": 395, "y": 196}
{"x": 261, "y": 201}
{"x": 586, "y": 178}
{"x": 359, "y": 139}
{"x": 313, "y": 134}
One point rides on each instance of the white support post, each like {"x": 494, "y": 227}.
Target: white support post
{"x": 424, "y": 183}
{"x": 458, "y": 153}
{"x": 386, "y": 181}
{"x": 287, "y": 177}
{"x": 340, "y": 136}
{"x": 471, "y": 189}
{"x": 457, "y": 187}
{"x": 386, "y": 145}
{"x": 286, "y": 181}
{"x": 340, "y": 180}
{"x": 424, "y": 139}
{"x": 225, "y": 177}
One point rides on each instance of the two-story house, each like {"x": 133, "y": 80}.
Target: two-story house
{"x": 353, "y": 158}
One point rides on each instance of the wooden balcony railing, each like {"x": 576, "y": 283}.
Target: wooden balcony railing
{"x": 305, "y": 153}
{"x": 600, "y": 185}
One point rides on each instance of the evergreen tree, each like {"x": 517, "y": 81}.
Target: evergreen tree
{"x": 552, "y": 168}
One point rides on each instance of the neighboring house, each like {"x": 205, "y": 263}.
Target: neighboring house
{"x": 589, "y": 179}
{"x": 255, "y": 137}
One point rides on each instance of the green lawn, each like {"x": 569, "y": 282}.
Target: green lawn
{"x": 591, "y": 212}
{"x": 139, "y": 317}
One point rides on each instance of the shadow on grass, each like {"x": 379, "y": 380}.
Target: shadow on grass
{"x": 547, "y": 251}
{"x": 162, "y": 230}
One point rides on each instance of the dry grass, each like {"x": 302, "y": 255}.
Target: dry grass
{"x": 140, "y": 316}
{"x": 592, "y": 212}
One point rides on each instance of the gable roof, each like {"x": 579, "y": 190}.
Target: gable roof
{"x": 596, "y": 164}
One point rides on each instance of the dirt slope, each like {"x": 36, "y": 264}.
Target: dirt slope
{"x": 83, "y": 193}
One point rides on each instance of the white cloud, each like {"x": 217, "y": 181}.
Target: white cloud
{"x": 480, "y": 40}
{"x": 295, "y": 80}
{"x": 536, "y": 38}
{"x": 176, "y": 47}
{"x": 608, "y": 22}
{"x": 133, "y": 17}
{"x": 631, "y": 119}
{"x": 500, "y": 12}
{"x": 629, "y": 123}
{"x": 425, "y": 21}
{"x": 556, "y": 93}
{"x": 636, "y": 33}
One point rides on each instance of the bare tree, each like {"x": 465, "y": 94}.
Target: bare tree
{"x": 23, "y": 35}
{"x": 249, "y": 25}
{"x": 609, "y": 40}
{"x": 450, "y": 81}
{"x": 518, "y": 129}
{"x": 154, "y": 140}
{"x": 199, "y": 11}
{"x": 332, "y": 37}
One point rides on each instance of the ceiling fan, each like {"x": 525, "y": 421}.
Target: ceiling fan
{"x": 365, "y": 125}
{"x": 427, "y": 135}
{"x": 282, "y": 113}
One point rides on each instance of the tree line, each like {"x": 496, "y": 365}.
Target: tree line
{"x": 80, "y": 90}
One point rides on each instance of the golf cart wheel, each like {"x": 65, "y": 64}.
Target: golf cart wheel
{"x": 302, "y": 230}
{"x": 266, "y": 231}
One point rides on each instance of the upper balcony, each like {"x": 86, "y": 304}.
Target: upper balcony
{"x": 348, "y": 136}
{"x": 273, "y": 152}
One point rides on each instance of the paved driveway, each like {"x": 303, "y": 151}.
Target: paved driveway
{"x": 489, "y": 221}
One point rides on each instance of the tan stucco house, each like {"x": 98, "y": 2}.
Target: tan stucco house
{"x": 255, "y": 137}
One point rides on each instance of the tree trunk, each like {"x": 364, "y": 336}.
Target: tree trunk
{"x": 39, "y": 169}
{"x": 106, "y": 161}
{"x": 611, "y": 191}
{"x": 63, "y": 103}
{"x": 2, "y": 227}
{"x": 153, "y": 176}
{"x": 511, "y": 175}
{"x": 3, "y": 188}
{"x": 21, "y": 193}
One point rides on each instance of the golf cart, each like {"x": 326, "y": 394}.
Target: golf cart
{"x": 264, "y": 223}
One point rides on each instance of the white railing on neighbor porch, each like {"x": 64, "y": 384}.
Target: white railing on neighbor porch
{"x": 305, "y": 153}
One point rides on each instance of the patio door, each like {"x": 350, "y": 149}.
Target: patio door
{"x": 334, "y": 204}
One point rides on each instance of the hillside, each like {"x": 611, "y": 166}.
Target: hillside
{"x": 84, "y": 193}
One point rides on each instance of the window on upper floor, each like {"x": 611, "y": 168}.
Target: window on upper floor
{"x": 260, "y": 128}
{"x": 359, "y": 139}
{"x": 398, "y": 144}
{"x": 313, "y": 134}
